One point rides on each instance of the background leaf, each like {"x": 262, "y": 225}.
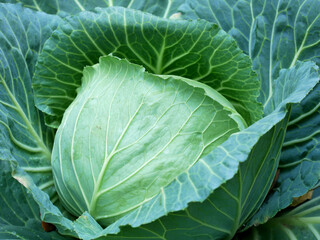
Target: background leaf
{"x": 161, "y": 8}
{"x": 269, "y": 31}
{"x": 275, "y": 34}
{"x": 19, "y": 214}
{"x": 300, "y": 163}
{"x": 24, "y": 138}
{"x": 302, "y": 222}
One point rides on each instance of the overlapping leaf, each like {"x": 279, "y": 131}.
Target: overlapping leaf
{"x": 24, "y": 138}
{"x": 276, "y": 34}
{"x": 197, "y": 50}
{"x": 225, "y": 210}
{"x": 300, "y": 165}
{"x": 161, "y": 8}
{"x": 60, "y": 6}
{"x": 301, "y": 223}
{"x": 19, "y": 214}
{"x": 48, "y": 213}
{"x": 237, "y": 200}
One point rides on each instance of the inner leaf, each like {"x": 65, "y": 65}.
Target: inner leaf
{"x": 129, "y": 133}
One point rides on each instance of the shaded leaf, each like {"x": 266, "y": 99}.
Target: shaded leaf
{"x": 300, "y": 162}
{"x": 19, "y": 214}
{"x": 161, "y": 8}
{"x": 24, "y": 138}
{"x": 275, "y": 34}
{"x": 302, "y": 222}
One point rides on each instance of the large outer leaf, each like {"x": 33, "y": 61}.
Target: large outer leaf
{"x": 161, "y": 8}
{"x": 300, "y": 163}
{"x": 284, "y": 85}
{"x": 301, "y": 223}
{"x": 193, "y": 49}
{"x": 276, "y": 34}
{"x": 24, "y": 137}
{"x": 19, "y": 214}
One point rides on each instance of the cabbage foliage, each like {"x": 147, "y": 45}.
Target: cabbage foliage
{"x": 158, "y": 119}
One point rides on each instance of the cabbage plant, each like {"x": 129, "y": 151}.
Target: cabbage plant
{"x": 172, "y": 119}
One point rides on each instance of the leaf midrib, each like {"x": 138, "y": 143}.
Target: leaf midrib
{"x": 42, "y": 147}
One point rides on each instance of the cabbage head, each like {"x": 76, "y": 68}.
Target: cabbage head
{"x": 129, "y": 133}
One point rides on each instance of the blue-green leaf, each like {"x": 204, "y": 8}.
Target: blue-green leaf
{"x": 303, "y": 73}
{"x": 299, "y": 163}
{"x": 19, "y": 213}
{"x": 24, "y": 138}
{"x": 276, "y": 34}
{"x": 302, "y": 222}
{"x": 161, "y": 8}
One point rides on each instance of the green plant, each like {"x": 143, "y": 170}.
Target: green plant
{"x": 159, "y": 120}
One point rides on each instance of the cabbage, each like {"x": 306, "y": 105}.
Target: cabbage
{"x": 197, "y": 121}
